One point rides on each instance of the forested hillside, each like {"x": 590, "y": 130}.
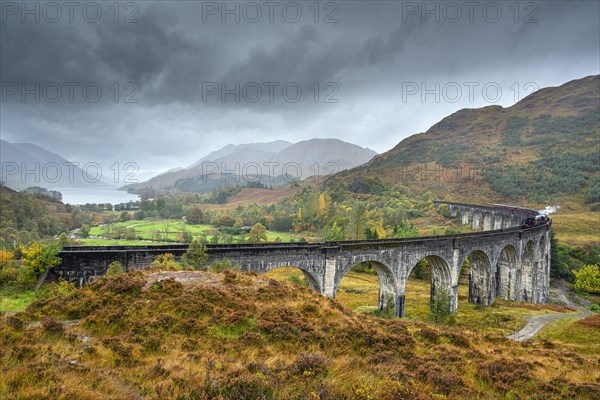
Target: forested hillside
{"x": 26, "y": 217}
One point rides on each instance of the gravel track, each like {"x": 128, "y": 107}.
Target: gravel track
{"x": 536, "y": 323}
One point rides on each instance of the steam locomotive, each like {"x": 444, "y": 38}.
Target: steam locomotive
{"x": 541, "y": 218}
{"x": 531, "y": 222}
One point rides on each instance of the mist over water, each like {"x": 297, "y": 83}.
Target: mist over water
{"x": 79, "y": 196}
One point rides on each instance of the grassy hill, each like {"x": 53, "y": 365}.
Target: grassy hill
{"x": 543, "y": 149}
{"x": 202, "y": 335}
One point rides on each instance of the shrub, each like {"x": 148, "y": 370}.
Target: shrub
{"x": 512, "y": 131}
{"x": 311, "y": 365}
{"x": 114, "y": 268}
{"x": 587, "y": 279}
{"x": 52, "y": 326}
{"x": 166, "y": 261}
{"x": 388, "y": 311}
{"x": 6, "y": 257}
{"x": 9, "y": 270}
{"x": 9, "y": 275}
{"x": 246, "y": 387}
{"x": 429, "y": 334}
{"x": 195, "y": 256}
{"x": 441, "y": 306}
{"x": 63, "y": 287}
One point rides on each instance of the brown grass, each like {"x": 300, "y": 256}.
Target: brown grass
{"x": 263, "y": 196}
{"x": 593, "y": 321}
{"x": 240, "y": 336}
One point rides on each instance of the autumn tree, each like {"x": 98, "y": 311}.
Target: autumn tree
{"x": 257, "y": 233}
{"x": 587, "y": 279}
{"x": 239, "y": 222}
{"x": 324, "y": 205}
{"x": 9, "y": 270}
{"x": 194, "y": 215}
{"x": 36, "y": 260}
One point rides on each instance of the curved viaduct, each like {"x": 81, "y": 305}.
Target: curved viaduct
{"x": 506, "y": 260}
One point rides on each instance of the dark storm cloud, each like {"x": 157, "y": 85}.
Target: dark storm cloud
{"x": 101, "y": 52}
{"x": 172, "y": 52}
{"x": 141, "y": 51}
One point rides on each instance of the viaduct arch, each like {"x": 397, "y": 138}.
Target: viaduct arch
{"x": 507, "y": 260}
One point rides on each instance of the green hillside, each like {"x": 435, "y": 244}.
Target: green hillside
{"x": 544, "y": 148}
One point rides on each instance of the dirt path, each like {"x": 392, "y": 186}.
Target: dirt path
{"x": 535, "y": 324}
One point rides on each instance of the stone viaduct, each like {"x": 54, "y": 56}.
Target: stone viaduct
{"x": 506, "y": 260}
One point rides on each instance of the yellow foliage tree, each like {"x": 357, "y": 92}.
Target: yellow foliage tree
{"x": 258, "y": 233}
{"x": 239, "y": 222}
{"x": 36, "y": 260}
{"x": 377, "y": 226}
{"x": 9, "y": 271}
{"x": 324, "y": 204}
{"x": 6, "y": 257}
{"x": 166, "y": 262}
{"x": 39, "y": 257}
{"x": 587, "y": 279}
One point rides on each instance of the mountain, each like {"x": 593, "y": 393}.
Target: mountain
{"x": 272, "y": 163}
{"x": 269, "y": 147}
{"x": 25, "y": 164}
{"x": 545, "y": 147}
{"x": 313, "y": 156}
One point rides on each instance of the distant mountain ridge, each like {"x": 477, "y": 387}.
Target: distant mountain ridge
{"x": 544, "y": 147}
{"x": 271, "y": 163}
{"x": 23, "y": 165}
{"x": 270, "y": 147}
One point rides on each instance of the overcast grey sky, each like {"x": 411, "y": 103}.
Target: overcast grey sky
{"x": 384, "y": 70}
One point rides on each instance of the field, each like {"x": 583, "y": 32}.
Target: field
{"x": 15, "y": 300}
{"x": 118, "y": 242}
{"x": 154, "y": 229}
{"x": 166, "y": 231}
{"x": 576, "y": 227}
